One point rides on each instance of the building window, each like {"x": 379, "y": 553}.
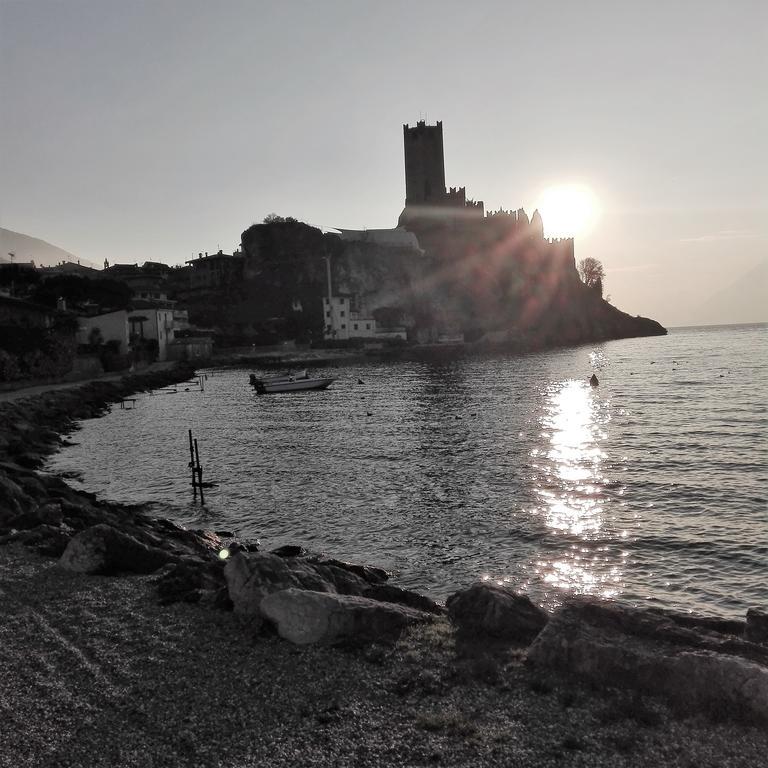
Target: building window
{"x": 343, "y": 325}
{"x": 355, "y": 326}
{"x": 367, "y": 326}
{"x": 342, "y": 313}
{"x": 328, "y": 314}
{"x": 341, "y": 301}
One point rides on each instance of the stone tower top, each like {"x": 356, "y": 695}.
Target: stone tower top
{"x": 424, "y": 164}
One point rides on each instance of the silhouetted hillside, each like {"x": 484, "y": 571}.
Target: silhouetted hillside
{"x": 26, "y": 248}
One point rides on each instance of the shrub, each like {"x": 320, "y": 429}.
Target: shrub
{"x": 9, "y": 366}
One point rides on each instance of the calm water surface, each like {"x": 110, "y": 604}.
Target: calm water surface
{"x": 651, "y": 487}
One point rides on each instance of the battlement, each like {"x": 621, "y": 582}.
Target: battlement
{"x": 475, "y": 205}
{"x": 456, "y": 196}
{"x": 501, "y": 212}
{"x": 421, "y": 127}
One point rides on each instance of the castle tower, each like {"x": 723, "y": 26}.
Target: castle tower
{"x": 424, "y": 164}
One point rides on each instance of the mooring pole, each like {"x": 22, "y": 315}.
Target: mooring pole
{"x": 199, "y": 473}
{"x": 192, "y": 464}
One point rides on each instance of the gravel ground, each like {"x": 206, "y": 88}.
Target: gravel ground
{"x": 94, "y": 673}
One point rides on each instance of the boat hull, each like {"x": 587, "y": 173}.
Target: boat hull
{"x": 298, "y": 385}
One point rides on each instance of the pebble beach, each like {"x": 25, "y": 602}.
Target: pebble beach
{"x": 94, "y": 671}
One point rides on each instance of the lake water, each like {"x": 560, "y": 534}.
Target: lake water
{"x": 652, "y": 487}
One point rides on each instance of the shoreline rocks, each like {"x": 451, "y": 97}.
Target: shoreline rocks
{"x": 610, "y": 644}
{"x": 701, "y": 664}
{"x": 496, "y": 611}
{"x": 103, "y": 549}
{"x": 307, "y": 617}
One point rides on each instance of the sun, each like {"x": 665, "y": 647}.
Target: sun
{"x": 568, "y": 210}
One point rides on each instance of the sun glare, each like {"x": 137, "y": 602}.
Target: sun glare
{"x": 568, "y": 210}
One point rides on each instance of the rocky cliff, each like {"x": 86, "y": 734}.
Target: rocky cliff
{"x": 495, "y": 280}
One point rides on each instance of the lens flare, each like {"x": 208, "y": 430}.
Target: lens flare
{"x": 568, "y": 210}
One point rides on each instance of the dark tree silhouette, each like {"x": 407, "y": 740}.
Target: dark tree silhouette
{"x": 592, "y": 274}
{"x": 107, "y": 294}
{"x": 273, "y": 218}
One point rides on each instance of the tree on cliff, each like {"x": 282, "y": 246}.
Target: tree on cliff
{"x": 592, "y": 274}
{"x": 273, "y": 218}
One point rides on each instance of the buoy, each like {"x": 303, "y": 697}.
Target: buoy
{"x": 368, "y": 413}
{"x": 593, "y": 380}
{"x": 360, "y": 381}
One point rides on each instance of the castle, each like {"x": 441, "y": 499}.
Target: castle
{"x": 430, "y": 206}
{"x": 425, "y": 177}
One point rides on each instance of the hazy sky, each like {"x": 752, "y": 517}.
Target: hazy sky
{"x": 150, "y": 130}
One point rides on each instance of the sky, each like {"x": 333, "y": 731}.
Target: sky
{"x": 138, "y": 130}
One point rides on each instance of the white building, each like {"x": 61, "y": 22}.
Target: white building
{"x": 343, "y": 321}
{"x": 153, "y": 324}
{"x": 111, "y": 326}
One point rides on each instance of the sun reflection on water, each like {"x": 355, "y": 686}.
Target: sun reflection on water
{"x": 571, "y": 487}
{"x": 572, "y": 478}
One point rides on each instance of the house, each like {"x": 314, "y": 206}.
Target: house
{"x": 342, "y": 320}
{"x": 104, "y": 328}
{"x": 148, "y": 283}
{"x": 207, "y": 273}
{"x": 152, "y": 324}
{"x": 190, "y": 348}
{"x": 345, "y": 318}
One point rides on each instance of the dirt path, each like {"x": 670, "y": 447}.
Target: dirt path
{"x": 20, "y": 394}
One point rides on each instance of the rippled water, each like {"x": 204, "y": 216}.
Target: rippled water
{"x": 652, "y": 486}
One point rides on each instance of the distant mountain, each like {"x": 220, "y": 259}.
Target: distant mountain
{"x": 26, "y": 249}
{"x": 745, "y": 300}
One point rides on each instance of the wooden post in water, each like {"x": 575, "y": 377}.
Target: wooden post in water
{"x": 199, "y": 473}
{"x": 192, "y": 464}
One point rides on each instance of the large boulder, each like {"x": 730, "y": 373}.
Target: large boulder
{"x": 192, "y": 580}
{"x": 51, "y": 540}
{"x": 756, "y": 630}
{"x": 304, "y": 617}
{"x": 655, "y": 652}
{"x": 13, "y": 500}
{"x": 103, "y": 549}
{"x": 48, "y": 513}
{"x": 496, "y": 611}
{"x": 388, "y": 593}
{"x": 368, "y": 573}
{"x": 250, "y": 577}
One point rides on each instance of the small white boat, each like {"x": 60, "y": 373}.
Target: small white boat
{"x": 279, "y": 378}
{"x": 297, "y": 383}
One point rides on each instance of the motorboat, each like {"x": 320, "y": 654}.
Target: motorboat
{"x": 299, "y": 383}
{"x": 279, "y": 378}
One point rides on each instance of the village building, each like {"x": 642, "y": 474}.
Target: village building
{"x": 152, "y": 324}
{"x": 345, "y": 318}
{"x": 343, "y": 321}
{"x": 110, "y": 327}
